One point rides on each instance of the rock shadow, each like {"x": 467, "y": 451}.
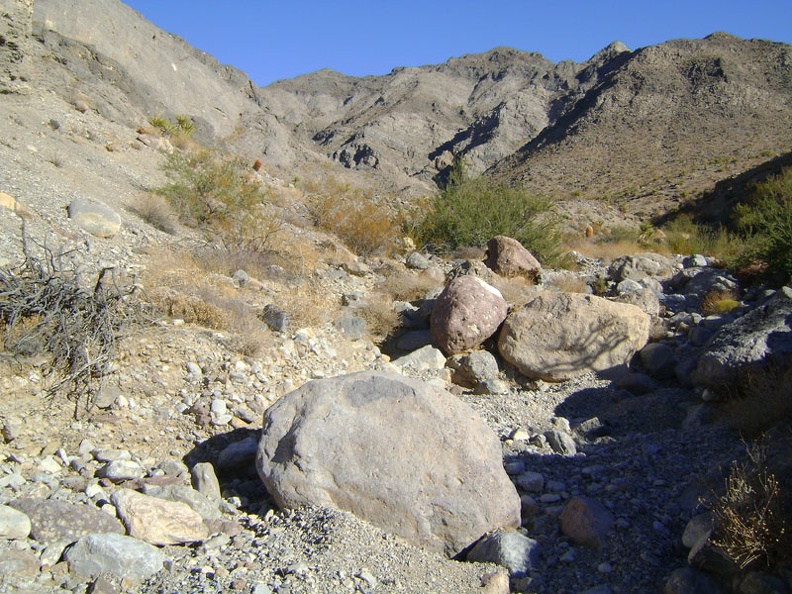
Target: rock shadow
{"x": 233, "y": 456}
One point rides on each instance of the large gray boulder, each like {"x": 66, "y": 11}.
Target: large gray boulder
{"x": 557, "y": 336}
{"x": 466, "y": 313}
{"x": 402, "y": 454}
{"x": 761, "y": 339}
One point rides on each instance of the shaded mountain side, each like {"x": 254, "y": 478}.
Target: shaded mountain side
{"x": 667, "y": 124}
{"x": 716, "y": 205}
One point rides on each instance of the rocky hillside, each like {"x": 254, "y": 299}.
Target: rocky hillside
{"x": 187, "y": 411}
{"x": 644, "y": 130}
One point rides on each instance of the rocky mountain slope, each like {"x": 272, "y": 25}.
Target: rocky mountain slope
{"x": 146, "y": 477}
{"x": 645, "y": 130}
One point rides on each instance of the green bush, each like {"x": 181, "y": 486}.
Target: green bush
{"x": 684, "y": 236}
{"x": 205, "y": 188}
{"x": 182, "y": 125}
{"x": 468, "y": 212}
{"x": 767, "y": 220}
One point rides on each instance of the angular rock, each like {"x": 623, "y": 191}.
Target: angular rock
{"x": 115, "y": 555}
{"x": 586, "y": 521}
{"x": 96, "y": 219}
{"x": 557, "y": 336}
{"x": 518, "y": 553}
{"x": 640, "y": 266}
{"x": 237, "y": 454}
{"x": 14, "y": 524}
{"x": 204, "y": 480}
{"x": 471, "y": 369}
{"x": 121, "y": 470}
{"x": 399, "y": 453}
{"x": 19, "y": 564}
{"x": 54, "y": 520}
{"x": 561, "y": 442}
{"x": 508, "y": 257}
{"x": 417, "y": 261}
{"x": 424, "y": 359}
{"x": 157, "y": 521}
{"x": 659, "y": 360}
{"x": 644, "y": 298}
{"x": 414, "y": 340}
{"x": 466, "y": 313}
{"x": 691, "y": 581}
{"x": 202, "y": 505}
{"x": 759, "y": 340}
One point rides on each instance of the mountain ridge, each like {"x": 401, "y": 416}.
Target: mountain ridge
{"x": 641, "y": 130}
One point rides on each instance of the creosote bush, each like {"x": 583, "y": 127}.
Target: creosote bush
{"x": 766, "y": 218}
{"x": 471, "y": 211}
{"x": 367, "y": 224}
{"x": 213, "y": 193}
{"x": 684, "y": 236}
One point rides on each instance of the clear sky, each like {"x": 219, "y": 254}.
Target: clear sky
{"x": 275, "y": 39}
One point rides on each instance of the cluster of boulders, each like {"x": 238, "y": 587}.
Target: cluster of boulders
{"x": 393, "y": 446}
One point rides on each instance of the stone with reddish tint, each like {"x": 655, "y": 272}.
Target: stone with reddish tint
{"x": 466, "y": 313}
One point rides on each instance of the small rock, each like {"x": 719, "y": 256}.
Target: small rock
{"x": 14, "y": 525}
{"x": 157, "y": 521}
{"x": 115, "y": 555}
{"x": 518, "y": 553}
{"x": 586, "y": 521}
{"x": 121, "y": 470}
{"x": 204, "y": 480}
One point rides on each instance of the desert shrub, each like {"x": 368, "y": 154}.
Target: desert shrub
{"x": 45, "y": 310}
{"x": 766, "y": 218}
{"x": 684, "y": 236}
{"x": 183, "y": 284}
{"x": 368, "y": 225}
{"x": 156, "y": 211}
{"x": 471, "y": 211}
{"x": 213, "y": 192}
{"x": 755, "y": 529}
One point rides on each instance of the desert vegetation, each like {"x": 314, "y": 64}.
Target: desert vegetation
{"x": 468, "y": 211}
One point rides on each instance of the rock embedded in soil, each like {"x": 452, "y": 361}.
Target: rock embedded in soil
{"x": 402, "y": 454}
{"x": 115, "y": 555}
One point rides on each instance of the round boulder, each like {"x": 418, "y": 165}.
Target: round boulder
{"x": 557, "y": 336}
{"x": 399, "y": 453}
{"x": 466, "y": 313}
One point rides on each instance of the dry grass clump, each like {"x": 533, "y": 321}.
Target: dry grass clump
{"x": 180, "y": 286}
{"x": 755, "y": 529}
{"x": 406, "y": 285}
{"x": 156, "y": 211}
{"x": 366, "y": 223}
{"x": 719, "y": 301}
{"x": 567, "y": 282}
{"x": 380, "y": 317}
{"x": 516, "y": 290}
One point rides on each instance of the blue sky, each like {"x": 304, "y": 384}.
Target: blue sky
{"x": 272, "y": 40}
